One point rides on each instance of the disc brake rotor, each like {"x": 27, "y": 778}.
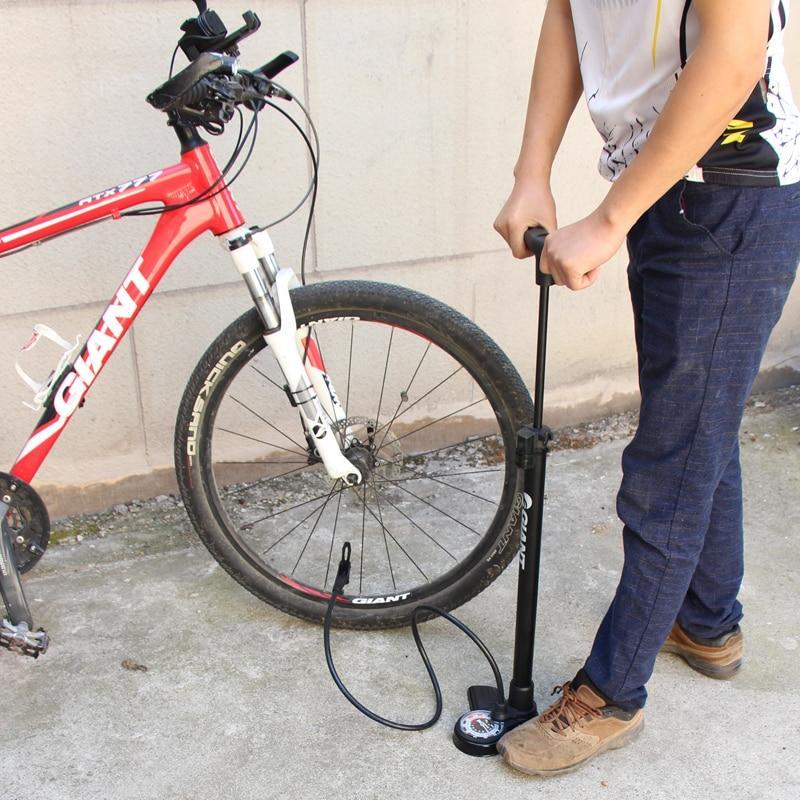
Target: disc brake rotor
{"x": 26, "y": 520}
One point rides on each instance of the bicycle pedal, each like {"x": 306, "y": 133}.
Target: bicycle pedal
{"x": 20, "y": 639}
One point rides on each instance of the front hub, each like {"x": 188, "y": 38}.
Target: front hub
{"x": 362, "y": 457}
{"x": 373, "y": 449}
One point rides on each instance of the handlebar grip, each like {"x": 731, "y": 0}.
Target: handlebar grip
{"x": 534, "y": 241}
{"x": 278, "y": 64}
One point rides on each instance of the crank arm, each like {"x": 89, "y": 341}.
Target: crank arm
{"x": 16, "y": 633}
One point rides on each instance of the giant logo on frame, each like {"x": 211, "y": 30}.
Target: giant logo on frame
{"x": 102, "y": 340}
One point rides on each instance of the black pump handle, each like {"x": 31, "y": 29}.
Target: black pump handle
{"x": 202, "y": 5}
{"x": 534, "y": 241}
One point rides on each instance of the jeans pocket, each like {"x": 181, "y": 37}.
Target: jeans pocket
{"x": 703, "y": 210}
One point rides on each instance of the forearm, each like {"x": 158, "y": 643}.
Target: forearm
{"x": 712, "y": 88}
{"x": 555, "y": 89}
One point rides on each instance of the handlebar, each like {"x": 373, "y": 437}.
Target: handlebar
{"x": 168, "y": 94}
{"x": 207, "y": 91}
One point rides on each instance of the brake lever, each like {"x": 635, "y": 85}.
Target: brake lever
{"x": 262, "y": 88}
{"x": 274, "y": 90}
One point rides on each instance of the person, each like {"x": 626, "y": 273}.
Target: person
{"x": 702, "y": 146}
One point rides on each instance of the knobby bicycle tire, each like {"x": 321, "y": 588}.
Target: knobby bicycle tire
{"x": 240, "y": 486}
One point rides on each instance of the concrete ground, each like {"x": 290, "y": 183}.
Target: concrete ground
{"x": 236, "y": 701}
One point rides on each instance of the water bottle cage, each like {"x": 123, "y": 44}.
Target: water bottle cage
{"x": 42, "y": 390}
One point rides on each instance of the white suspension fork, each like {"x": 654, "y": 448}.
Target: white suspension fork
{"x": 323, "y": 385}
{"x": 307, "y": 346}
{"x": 310, "y": 388}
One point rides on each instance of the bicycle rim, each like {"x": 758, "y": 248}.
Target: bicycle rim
{"x": 426, "y": 425}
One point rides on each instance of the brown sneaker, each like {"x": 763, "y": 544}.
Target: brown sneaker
{"x": 719, "y": 658}
{"x": 573, "y": 730}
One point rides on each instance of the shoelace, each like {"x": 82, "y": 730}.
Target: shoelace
{"x": 569, "y": 711}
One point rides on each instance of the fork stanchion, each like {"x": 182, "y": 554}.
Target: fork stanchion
{"x": 478, "y": 731}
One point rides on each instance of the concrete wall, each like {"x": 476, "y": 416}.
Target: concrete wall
{"x": 420, "y": 107}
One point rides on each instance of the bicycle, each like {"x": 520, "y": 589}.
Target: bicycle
{"x": 410, "y": 454}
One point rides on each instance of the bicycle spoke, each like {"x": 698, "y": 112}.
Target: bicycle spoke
{"x": 307, "y": 344}
{"x": 428, "y": 393}
{"x": 260, "y": 441}
{"x": 386, "y": 532}
{"x": 261, "y": 463}
{"x": 266, "y": 422}
{"x": 385, "y": 372}
{"x": 404, "y": 395}
{"x": 363, "y": 526}
{"x": 260, "y": 481}
{"x": 435, "y": 422}
{"x": 294, "y": 528}
{"x": 420, "y": 528}
{"x": 313, "y": 529}
{"x": 349, "y": 372}
{"x": 435, "y": 508}
{"x": 444, "y": 483}
{"x": 333, "y": 537}
{"x": 451, "y": 446}
{"x": 385, "y": 540}
{"x": 281, "y": 389}
{"x": 422, "y": 477}
{"x": 285, "y": 511}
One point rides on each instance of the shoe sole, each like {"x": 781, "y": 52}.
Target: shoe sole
{"x": 613, "y": 744}
{"x": 722, "y": 673}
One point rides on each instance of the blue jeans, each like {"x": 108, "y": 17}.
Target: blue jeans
{"x": 710, "y": 270}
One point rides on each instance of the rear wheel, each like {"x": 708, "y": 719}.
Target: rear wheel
{"x": 432, "y": 406}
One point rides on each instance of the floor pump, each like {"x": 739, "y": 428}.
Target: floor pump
{"x": 491, "y": 713}
{"x": 489, "y": 718}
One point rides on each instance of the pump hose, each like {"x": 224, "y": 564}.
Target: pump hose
{"x": 342, "y": 579}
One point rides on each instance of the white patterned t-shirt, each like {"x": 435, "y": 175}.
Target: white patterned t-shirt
{"x": 632, "y": 53}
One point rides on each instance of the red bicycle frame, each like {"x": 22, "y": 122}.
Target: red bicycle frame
{"x": 196, "y": 174}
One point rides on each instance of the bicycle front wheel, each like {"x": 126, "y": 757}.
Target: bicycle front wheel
{"x": 432, "y": 410}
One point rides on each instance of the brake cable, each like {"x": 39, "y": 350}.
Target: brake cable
{"x": 314, "y": 154}
{"x": 313, "y": 187}
{"x": 204, "y": 195}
